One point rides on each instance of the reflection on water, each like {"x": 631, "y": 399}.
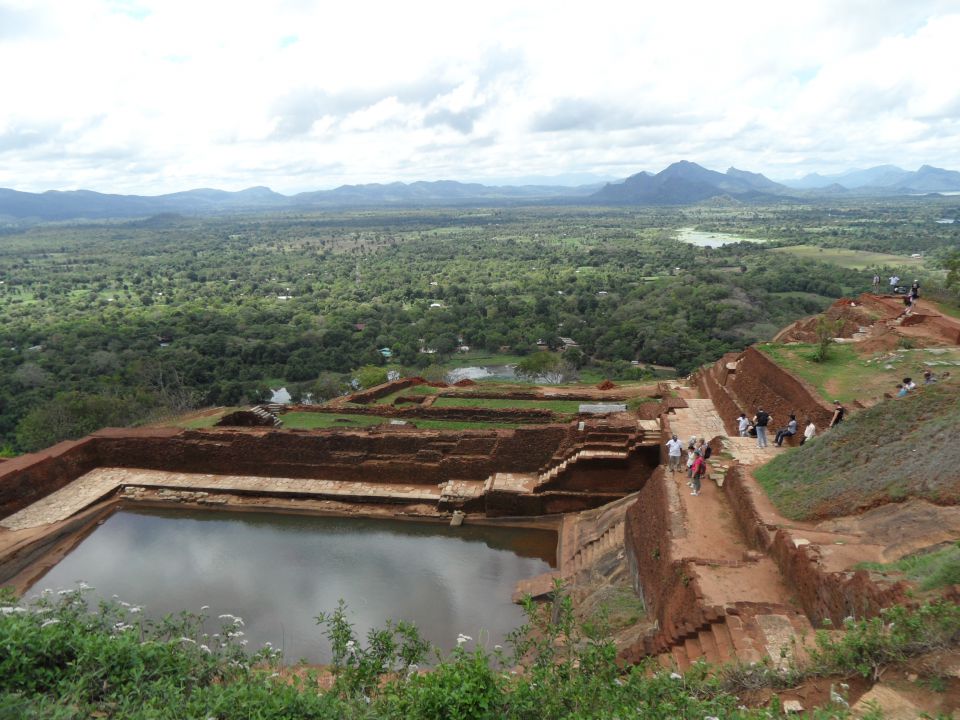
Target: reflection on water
{"x": 711, "y": 239}
{"x": 279, "y": 571}
{"x": 499, "y": 372}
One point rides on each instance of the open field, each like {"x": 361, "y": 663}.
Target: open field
{"x": 852, "y": 259}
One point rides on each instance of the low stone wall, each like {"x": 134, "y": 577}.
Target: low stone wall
{"x": 402, "y": 456}
{"x": 456, "y": 414}
{"x": 599, "y": 397}
{"x": 375, "y": 393}
{"x": 821, "y": 594}
{"x": 831, "y": 595}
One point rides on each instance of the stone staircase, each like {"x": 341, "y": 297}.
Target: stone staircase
{"x": 266, "y": 414}
{"x": 743, "y": 632}
{"x": 600, "y": 444}
{"x": 585, "y": 555}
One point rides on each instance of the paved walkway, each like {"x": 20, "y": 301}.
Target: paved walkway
{"x": 101, "y": 482}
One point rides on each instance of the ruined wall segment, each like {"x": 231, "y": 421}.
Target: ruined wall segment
{"x": 28, "y": 478}
{"x": 749, "y": 380}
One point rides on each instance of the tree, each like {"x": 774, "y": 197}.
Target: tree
{"x": 952, "y": 265}
{"x": 826, "y": 331}
{"x": 370, "y": 375}
{"x": 547, "y": 367}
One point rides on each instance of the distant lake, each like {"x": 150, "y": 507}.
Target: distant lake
{"x": 476, "y": 372}
{"x": 711, "y": 239}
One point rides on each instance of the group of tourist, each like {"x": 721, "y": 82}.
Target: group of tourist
{"x": 757, "y": 427}
{"x": 698, "y": 452}
{"x": 908, "y": 385}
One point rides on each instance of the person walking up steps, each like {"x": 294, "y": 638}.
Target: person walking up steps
{"x": 760, "y": 422}
{"x": 675, "y": 450}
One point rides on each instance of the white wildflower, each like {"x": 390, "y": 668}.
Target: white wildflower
{"x": 205, "y": 649}
{"x": 675, "y": 676}
{"x": 134, "y": 610}
{"x": 51, "y": 621}
{"x": 188, "y": 640}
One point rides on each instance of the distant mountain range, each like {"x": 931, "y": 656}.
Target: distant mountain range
{"x": 682, "y": 183}
{"x": 888, "y": 179}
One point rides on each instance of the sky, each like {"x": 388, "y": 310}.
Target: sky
{"x": 158, "y": 96}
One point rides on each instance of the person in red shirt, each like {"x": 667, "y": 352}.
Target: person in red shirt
{"x": 699, "y": 467}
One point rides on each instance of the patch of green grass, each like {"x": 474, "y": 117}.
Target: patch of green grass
{"x": 845, "y": 258}
{"x": 947, "y": 309}
{"x": 481, "y": 358}
{"x": 929, "y": 570}
{"x": 206, "y": 421}
{"x": 900, "y": 448}
{"x": 846, "y": 375}
{"x": 560, "y": 406}
{"x": 840, "y": 377}
{"x": 313, "y": 421}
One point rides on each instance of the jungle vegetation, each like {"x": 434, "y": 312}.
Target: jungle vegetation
{"x": 112, "y": 323}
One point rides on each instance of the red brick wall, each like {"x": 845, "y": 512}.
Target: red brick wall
{"x": 28, "y": 478}
{"x": 759, "y": 382}
{"x": 821, "y": 594}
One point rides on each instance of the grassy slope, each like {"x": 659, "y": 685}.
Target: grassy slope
{"x": 905, "y": 447}
{"x": 847, "y": 375}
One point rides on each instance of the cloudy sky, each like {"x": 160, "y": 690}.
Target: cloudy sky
{"x": 157, "y": 96}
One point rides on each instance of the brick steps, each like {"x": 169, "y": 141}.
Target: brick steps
{"x": 591, "y": 551}
{"x": 737, "y": 636}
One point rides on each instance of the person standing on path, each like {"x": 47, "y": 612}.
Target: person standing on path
{"x": 760, "y": 422}
{"x": 674, "y": 450}
{"x": 894, "y": 281}
{"x": 838, "y": 413}
{"x": 876, "y": 284}
{"x": 743, "y": 425}
{"x": 699, "y": 465}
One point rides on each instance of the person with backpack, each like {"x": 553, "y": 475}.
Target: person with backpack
{"x": 760, "y": 422}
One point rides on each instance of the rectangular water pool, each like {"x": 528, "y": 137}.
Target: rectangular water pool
{"x": 278, "y": 572}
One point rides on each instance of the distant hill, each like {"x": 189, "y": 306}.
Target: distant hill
{"x": 85, "y": 204}
{"x": 884, "y": 179}
{"x": 682, "y": 183}
{"x": 686, "y": 182}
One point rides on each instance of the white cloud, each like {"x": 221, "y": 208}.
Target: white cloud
{"x": 154, "y": 96}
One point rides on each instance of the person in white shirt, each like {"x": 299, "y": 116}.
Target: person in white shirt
{"x": 675, "y": 450}
{"x": 809, "y": 432}
{"x": 743, "y": 425}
